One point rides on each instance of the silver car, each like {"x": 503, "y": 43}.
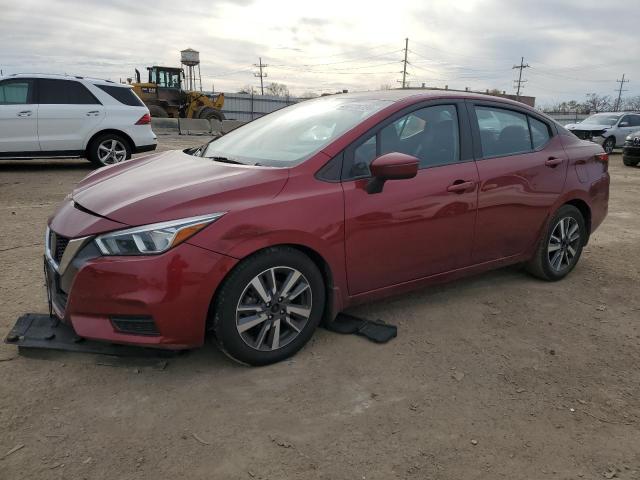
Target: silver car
{"x": 607, "y": 129}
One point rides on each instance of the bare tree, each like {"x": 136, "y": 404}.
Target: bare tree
{"x": 309, "y": 94}
{"x": 247, "y": 89}
{"x": 598, "y": 103}
{"x": 632, "y": 103}
{"x": 385, "y": 86}
{"x": 277, "y": 89}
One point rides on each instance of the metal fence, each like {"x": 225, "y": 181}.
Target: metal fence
{"x": 246, "y": 107}
{"x": 564, "y": 118}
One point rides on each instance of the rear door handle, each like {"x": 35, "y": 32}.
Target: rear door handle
{"x": 460, "y": 186}
{"x": 553, "y": 162}
{"x": 93, "y": 112}
{"x": 25, "y": 113}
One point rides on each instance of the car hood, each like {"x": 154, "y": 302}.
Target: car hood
{"x": 172, "y": 185}
{"x": 587, "y": 126}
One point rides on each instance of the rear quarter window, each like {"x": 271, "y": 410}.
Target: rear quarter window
{"x": 124, "y": 95}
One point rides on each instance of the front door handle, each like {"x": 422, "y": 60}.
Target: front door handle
{"x": 460, "y": 186}
{"x": 25, "y": 113}
{"x": 553, "y": 162}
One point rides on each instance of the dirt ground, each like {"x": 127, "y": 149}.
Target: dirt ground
{"x": 497, "y": 376}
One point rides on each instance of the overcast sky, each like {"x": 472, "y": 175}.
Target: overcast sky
{"x": 572, "y": 46}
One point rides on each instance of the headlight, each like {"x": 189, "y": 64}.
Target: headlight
{"x": 628, "y": 138}
{"x": 154, "y": 238}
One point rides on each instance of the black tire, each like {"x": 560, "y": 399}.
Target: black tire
{"x": 209, "y": 113}
{"x": 96, "y": 155}
{"x": 630, "y": 162}
{"x": 541, "y": 264}
{"x": 609, "y": 144}
{"x": 157, "y": 111}
{"x": 236, "y": 287}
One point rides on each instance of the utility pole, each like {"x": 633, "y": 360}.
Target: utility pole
{"x": 519, "y": 82}
{"x": 260, "y": 65}
{"x": 621, "y": 82}
{"x": 404, "y": 69}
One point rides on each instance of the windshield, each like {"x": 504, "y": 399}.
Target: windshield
{"x": 602, "y": 119}
{"x": 291, "y": 135}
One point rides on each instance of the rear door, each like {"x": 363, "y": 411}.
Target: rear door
{"x": 415, "y": 227}
{"x": 67, "y": 114}
{"x": 522, "y": 168}
{"x": 18, "y": 116}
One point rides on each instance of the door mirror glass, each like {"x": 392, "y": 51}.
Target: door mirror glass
{"x": 391, "y": 166}
{"x": 623, "y": 124}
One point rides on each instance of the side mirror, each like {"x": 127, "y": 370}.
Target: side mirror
{"x": 391, "y": 166}
{"x": 623, "y": 124}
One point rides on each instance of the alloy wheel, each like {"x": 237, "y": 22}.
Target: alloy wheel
{"x": 274, "y": 308}
{"x": 111, "y": 151}
{"x": 564, "y": 243}
{"x": 609, "y": 145}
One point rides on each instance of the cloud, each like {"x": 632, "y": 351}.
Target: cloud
{"x": 572, "y": 46}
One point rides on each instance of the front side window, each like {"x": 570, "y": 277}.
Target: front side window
{"x": 291, "y": 135}
{"x": 430, "y": 134}
{"x": 634, "y": 120}
{"x": 64, "y": 92}
{"x": 15, "y": 92}
{"x": 502, "y": 132}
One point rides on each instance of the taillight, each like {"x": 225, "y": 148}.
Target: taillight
{"x": 603, "y": 157}
{"x": 144, "y": 120}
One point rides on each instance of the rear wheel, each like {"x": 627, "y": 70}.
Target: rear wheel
{"x": 630, "y": 162}
{"x": 609, "y": 144}
{"x": 157, "y": 111}
{"x": 108, "y": 149}
{"x": 560, "y": 247}
{"x": 269, "y": 306}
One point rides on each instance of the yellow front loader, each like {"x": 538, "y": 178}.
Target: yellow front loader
{"x": 165, "y": 98}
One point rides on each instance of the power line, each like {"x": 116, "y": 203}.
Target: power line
{"x": 261, "y": 74}
{"x": 621, "y": 82}
{"x": 519, "y": 82}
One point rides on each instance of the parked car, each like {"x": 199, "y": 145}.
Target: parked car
{"x": 631, "y": 150}
{"x": 606, "y": 129}
{"x": 314, "y": 208}
{"x": 65, "y": 116}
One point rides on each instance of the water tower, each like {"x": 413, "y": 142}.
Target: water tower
{"x": 191, "y": 59}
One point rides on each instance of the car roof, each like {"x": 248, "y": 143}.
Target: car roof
{"x": 417, "y": 95}
{"x": 62, "y": 77}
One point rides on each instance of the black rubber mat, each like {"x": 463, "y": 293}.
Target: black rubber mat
{"x": 40, "y": 331}
{"x": 375, "y": 330}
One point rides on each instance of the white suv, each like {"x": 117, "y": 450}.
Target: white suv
{"x": 65, "y": 116}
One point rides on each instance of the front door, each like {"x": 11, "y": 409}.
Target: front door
{"x": 68, "y": 114}
{"x": 522, "y": 167}
{"x": 416, "y": 227}
{"x": 18, "y": 117}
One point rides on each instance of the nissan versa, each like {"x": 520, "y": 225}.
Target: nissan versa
{"x": 262, "y": 234}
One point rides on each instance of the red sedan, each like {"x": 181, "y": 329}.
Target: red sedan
{"x": 281, "y": 224}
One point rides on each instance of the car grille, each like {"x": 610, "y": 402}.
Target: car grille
{"x": 60, "y": 247}
{"x": 582, "y": 134}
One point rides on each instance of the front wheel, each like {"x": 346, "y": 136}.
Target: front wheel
{"x": 609, "y": 144}
{"x": 560, "y": 247}
{"x": 108, "y": 149}
{"x": 269, "y": 306}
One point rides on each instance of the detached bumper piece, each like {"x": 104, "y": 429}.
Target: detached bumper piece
{"x": 37, "y": 330}
{"x": 375, "y": 330}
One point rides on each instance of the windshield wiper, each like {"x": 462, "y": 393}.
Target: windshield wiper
{"x": 226, "y": 160}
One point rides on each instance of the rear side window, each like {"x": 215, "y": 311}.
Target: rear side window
{"x": 64, "y": 92}
{"x": 124, "y": 95}
{"x": 15, "y": 92}
{"x": 539, "y": 133}
{"x": 502, "y": 132}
